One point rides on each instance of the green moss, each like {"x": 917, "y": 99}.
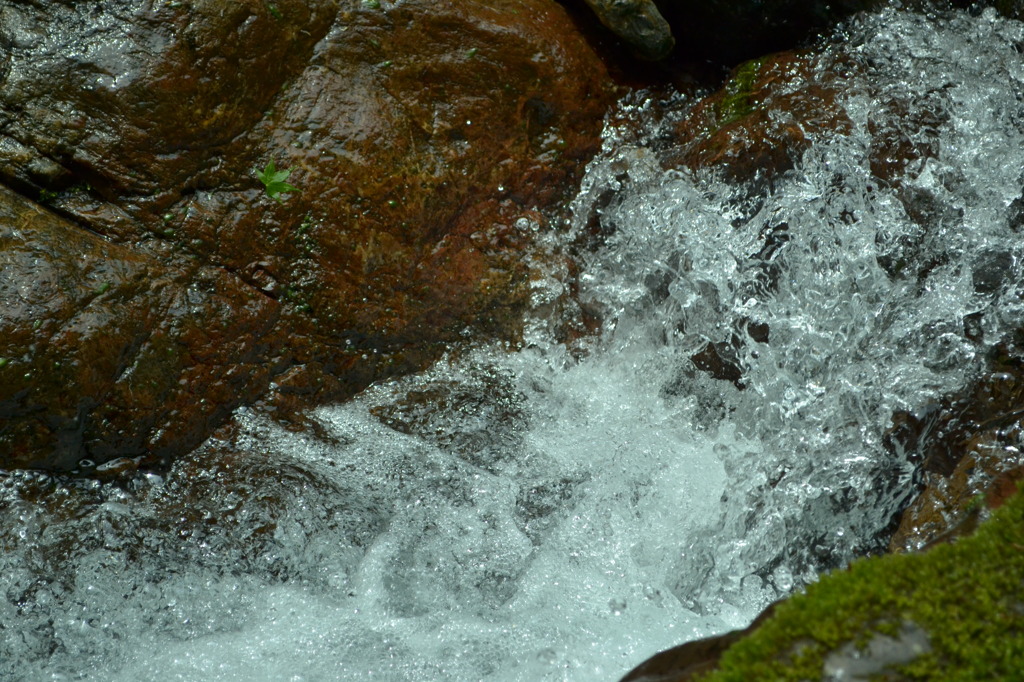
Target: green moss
{"x": 274, "y": 11}
{"x": 968, "y": 596}
{"x": 737, "y": 101}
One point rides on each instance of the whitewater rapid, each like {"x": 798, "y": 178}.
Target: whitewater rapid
{"x": 561, "y": 512}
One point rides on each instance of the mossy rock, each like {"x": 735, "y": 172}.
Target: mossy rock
{"x": 955, "y": 612}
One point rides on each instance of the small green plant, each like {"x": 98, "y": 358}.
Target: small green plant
{"x": 274, "y": 181}
{"x": 737, "y": 102}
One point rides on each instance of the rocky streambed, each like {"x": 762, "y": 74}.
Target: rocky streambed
{"x": 544, "y": 359}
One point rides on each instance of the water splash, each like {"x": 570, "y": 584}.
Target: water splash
{"x": 554, "y": 515}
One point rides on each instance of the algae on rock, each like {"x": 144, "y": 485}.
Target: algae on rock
{"x": 963, "y": 603}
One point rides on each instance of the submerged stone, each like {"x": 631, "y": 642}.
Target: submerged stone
{"x": 968, "y": 446}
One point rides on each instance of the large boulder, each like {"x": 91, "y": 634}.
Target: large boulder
{"x": 429, "y": 142}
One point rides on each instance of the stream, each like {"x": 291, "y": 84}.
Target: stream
{"x": 557, "y": 511}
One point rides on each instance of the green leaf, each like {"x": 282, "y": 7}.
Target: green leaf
{"x": 274, "y": 181}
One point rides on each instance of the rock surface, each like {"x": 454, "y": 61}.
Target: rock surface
{"x": 954, "y": 612}
{"x": 760, "y": 122}
{"x": 969, "y": 452}
{"x": 691, "y": 660}
{"x": 107, "y": 352}
{"x": 639, "y": 23}
{"x": 420, "y": 164}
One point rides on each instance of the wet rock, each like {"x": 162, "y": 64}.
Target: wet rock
{"x": 904, "y": 135}
{"x": 639, "y": 23}
{"x": 480, "y": 418}
{"x": 769, "y": 111}
{"x": 721, "y": 360}
{"x": 693, "y": 660}
{"x": 423, "y": 168}
{"x": 106, "y": 352}
{"x": 992, "y": 270}
{"x": 968, "y": 448}
{"x": 135, "y": 98}
{"x": 953, "y": 612}
{"x": 760, "y": 122}
{"x": 416, "y": 175}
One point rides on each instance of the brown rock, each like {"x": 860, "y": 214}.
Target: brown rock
{"x": 105, "y": 352}
{"x": 762, "y": 120}
{"x": 968, "y": 448}
{"x": 769, "y": 110}
{"x": 692, "y": 660}
{"x": 135, "y": 98}
{"x": 420, "y": 163}
{"x": 415, "y": 159}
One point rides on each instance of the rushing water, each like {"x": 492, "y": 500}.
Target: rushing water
{"x": 554, "y": 513}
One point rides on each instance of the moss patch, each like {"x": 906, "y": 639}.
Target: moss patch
{"x": 967, "y": 596}
{"x": 737, "y": 101}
